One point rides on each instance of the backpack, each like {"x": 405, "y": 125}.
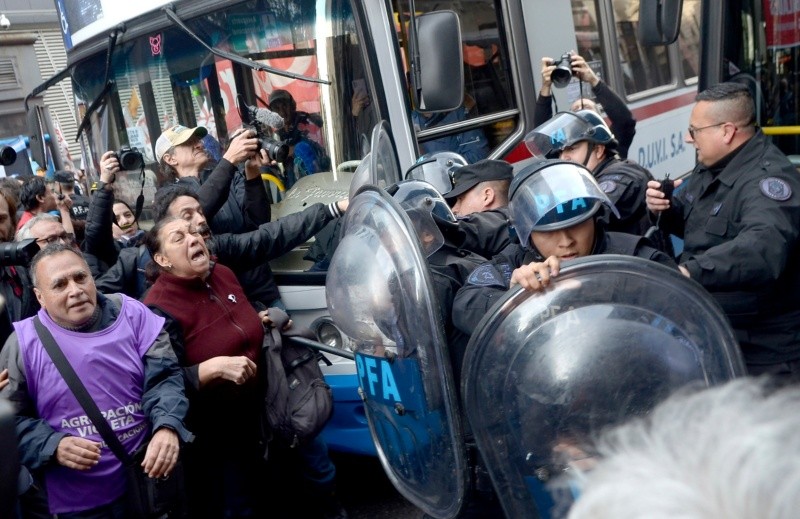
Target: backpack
{"x": 297, "y": 400}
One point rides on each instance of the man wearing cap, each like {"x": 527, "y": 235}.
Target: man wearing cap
{"x": 555, "y": 207}
{"x": 479, "y": 198}
{"x": 584, "y": 138}
{"x": 482, "y": 186}
{"x": 182, "y": 155}
{"x": 65, "y": 185}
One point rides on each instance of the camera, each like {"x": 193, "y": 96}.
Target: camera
{"x": 252, "y": 117}
{"x": 8, "y": 155}
{"x": 18, "y": 253}
{"x": 130, "y": 159}
{"x": 562, "y": 75}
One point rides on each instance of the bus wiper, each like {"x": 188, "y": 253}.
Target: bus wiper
{"x": 54, "y": 79}
{"x": 247, "y": 62}
{"x": 109, "y": 83}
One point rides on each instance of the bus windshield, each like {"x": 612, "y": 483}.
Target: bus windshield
{"x": 166, "y": 78}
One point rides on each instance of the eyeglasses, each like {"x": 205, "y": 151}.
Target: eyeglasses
{"x": 64, "y": 237}
{"x": 693, "y": 130}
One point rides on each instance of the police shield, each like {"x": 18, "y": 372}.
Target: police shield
{"x": 384, "y": 165}
{"x": 544, "y": 373}
{"x": 379, "y": 294}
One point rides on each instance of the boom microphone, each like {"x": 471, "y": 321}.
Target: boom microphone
{"x": 267, "y": 117}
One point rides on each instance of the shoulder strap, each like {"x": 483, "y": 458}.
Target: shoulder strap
{"x": 79, "y": 390}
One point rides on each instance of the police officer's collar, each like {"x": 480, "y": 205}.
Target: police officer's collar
{"x": 716, "y": 168}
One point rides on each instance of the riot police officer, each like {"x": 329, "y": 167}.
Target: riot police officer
{"x": 478, "y": 195}
{"x": 583, "y": 137}
{"x": 739, "y": 216}
{"x": 555, "y": 207}
{"x": 436, "y": 226}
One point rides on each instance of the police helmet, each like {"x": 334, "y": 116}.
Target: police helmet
{"x": 437, "y": 169}
{"x": 549, "y": 195}
{"x": 565, "y": 129}
{"x": 426, "y": 208}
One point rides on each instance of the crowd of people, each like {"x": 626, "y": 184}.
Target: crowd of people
{"x": 185, "y": 305}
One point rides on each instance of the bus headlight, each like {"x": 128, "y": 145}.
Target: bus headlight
{"x": 328, "y": 333}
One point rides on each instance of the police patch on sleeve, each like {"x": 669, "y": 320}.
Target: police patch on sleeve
{"x": 608, "y": 186}
{"x": 776, "y": 189}
{"x": 486, "y": 275}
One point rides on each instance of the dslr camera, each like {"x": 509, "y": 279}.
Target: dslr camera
{"x": 277, "y": 150}
{"x": 562, "y": 75}
{"x": 130, "y": 159}
{"x": 18, "y": 253}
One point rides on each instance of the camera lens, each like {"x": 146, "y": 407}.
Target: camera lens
{"x": 562, "y": 75}
{"x": 277, "y": 150}
{"x": 130, "y": 160}
{"x": 8, "y": 155}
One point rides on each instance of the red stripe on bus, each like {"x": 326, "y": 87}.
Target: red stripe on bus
{"x": 665, "y": 105}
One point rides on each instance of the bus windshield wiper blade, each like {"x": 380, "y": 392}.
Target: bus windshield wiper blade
{"x": 54, "y": 79}
{"x": 109, "y": 83}
{"x": 247, "y": 62}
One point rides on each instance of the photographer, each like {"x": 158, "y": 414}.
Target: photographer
{"x": 182, "y": 155}
{"x": 302, "y": 132}
{"x": 623, "y": 124}
{"x": 15, "y": 284}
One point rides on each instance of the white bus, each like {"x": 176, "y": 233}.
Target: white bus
{"x": 141, "y": 67}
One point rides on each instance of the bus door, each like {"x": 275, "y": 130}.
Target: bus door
{"x": 757, "y": 43}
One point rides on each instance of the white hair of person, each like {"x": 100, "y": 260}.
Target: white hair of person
{"x": 25, "y": 231}
{"x": 730, "y": 452}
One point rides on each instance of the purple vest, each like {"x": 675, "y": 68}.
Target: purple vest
{"x": 109, "y": 363}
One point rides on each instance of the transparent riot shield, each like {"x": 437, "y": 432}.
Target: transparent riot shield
{"x": 384, "y": 165}
{"x": 379, "y": 294}
{"x": 545, "y": 373}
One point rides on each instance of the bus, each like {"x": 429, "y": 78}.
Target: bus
{"x": 139, "y": 68}
{"x": 757, "y": 43}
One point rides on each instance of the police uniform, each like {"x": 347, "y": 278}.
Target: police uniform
{"x": 485, "y": 233}
{"x": 490, "y": 281}
{"x": 740, "y": 221}
{"x": 625, "y": 184}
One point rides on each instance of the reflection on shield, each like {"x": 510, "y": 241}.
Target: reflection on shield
{"x": 545, "y": 373}
{"x": 379, "y": 294}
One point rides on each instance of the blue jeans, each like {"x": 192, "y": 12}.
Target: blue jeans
{"x": 318, "y": 470}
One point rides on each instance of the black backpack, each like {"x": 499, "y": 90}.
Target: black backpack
{"x": 297, "y": 400}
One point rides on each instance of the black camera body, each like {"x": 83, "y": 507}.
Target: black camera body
{"x": 130, "y": 159}
{"x": 562, "y": 75}
{"x": 18, "y": 253}
{"x": 8, "y": 155}
{"x": 277, "y": 150}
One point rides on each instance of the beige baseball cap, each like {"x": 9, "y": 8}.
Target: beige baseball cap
{"x": 176, "y": 135}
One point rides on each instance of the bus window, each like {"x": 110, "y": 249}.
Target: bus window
{"x": 587, "y": 33}
{"x": 643, "y": 67}
{"x": 486, "y": 74}
{"x": 689, "y": 40}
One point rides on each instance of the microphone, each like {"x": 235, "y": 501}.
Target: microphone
{"x": 254, "y": 115}
{"x": 267, "y": 117}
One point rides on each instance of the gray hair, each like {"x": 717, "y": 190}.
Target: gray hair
{"x": 733, "y": 100}
{"x": 51, "y": 250}
{"x": 25, "y": 232}
{"x": 732, "y": 451}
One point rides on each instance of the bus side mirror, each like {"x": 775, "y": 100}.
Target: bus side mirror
{"x": 659, "y": 21}
{"x": 441, "y": 72}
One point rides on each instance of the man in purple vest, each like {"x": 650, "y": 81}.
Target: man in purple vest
{"x": 123, "y": 356}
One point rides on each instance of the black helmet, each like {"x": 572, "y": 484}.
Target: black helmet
{"x": 424, "y": 205}
{"x": 437, "y": 169}
{"x": 553, "y": 194}
{"x": 566, "y": 129}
